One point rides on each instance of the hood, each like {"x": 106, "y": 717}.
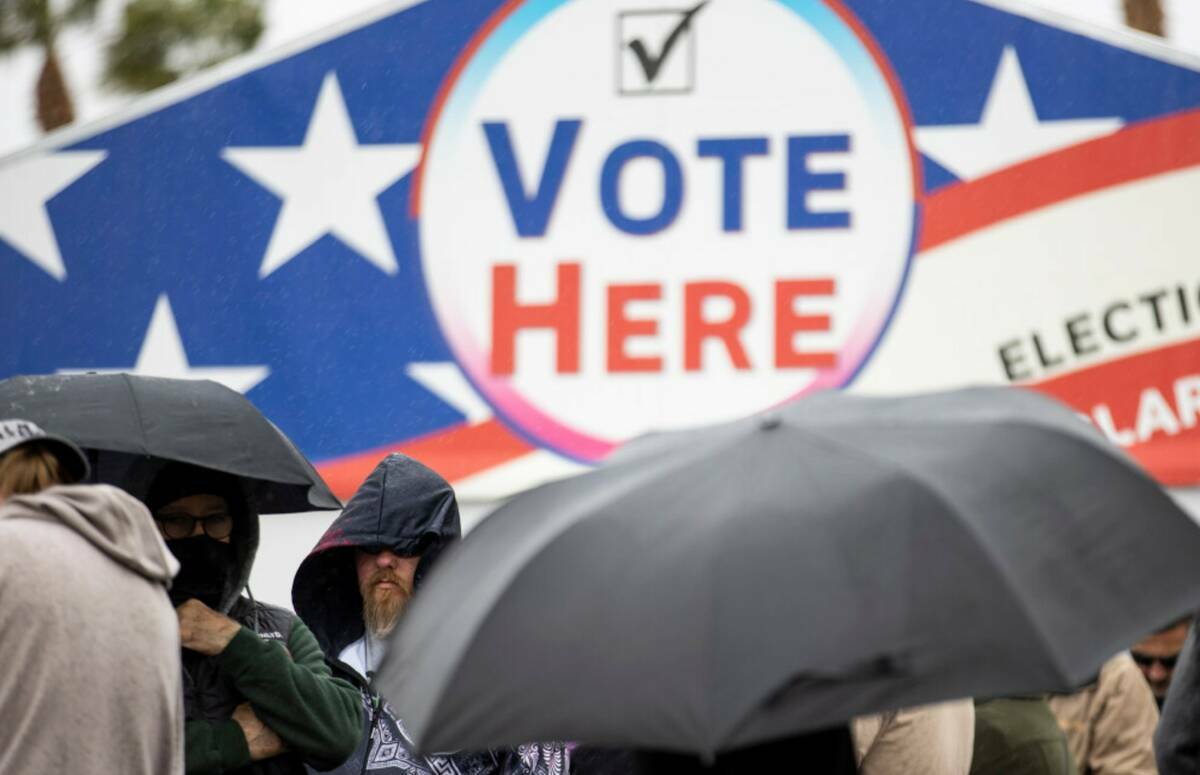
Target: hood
{"x": 403, "y": 506}
{"x": 176, "y": 480}
{"x": 111, "y": 520}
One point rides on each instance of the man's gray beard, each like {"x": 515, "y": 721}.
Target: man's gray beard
{"x": 382, "y": 612}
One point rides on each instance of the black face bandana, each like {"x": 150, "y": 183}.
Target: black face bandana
{"x": 206, "y": 566}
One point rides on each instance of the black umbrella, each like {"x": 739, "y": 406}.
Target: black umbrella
{"x": 711, "y": 589}
{"x": 130, "y": 426}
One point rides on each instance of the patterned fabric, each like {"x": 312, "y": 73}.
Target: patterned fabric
{"x": 389, "y": 751}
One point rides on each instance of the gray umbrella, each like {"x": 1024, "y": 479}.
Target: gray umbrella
{"x": 130, "y": 426}
{"x": 714, "y": 588}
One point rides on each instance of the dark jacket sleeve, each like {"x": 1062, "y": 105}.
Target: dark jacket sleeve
{"x": 295, "y": 694}
{"x": 1177, "y": 740}
{"x": 212, "y": 747}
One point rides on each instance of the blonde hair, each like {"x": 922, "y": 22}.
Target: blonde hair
{"x": 30, "y": 468}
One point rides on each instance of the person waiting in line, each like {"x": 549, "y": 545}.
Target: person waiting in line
{"x": 89, "y": 639}
{"x": 1019, "y": 736}
{"x": 258, "y": 694}
{"x": 353, "y": 589}
{"x": 1157, "y": 653}
{"x": 934, "y": 740}
{"x": 1110, "y": 723}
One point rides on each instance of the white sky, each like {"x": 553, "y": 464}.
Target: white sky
{"x": 82, "y": 52}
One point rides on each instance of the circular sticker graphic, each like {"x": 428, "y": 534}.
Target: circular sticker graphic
{"x": 635, "y": 218}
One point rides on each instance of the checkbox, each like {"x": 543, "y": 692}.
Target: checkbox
{"x": 656, "y": 51}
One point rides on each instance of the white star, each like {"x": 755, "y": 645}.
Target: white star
{"x": 162, "y": 355}
{"x": 328, "y": 185}
{"x": 446, "y": 381}
{"x": 1009, "y": 130}
{"x": 25, "y": 187}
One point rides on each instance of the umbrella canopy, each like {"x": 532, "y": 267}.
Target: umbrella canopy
{"x": 131, "y": 425}
{"x": 709, "y": 589}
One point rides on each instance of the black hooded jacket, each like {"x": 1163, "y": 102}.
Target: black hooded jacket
{"x": 411, "y": 510}
{"x": 273, "y": 663}
{"x": 403, "y": 506}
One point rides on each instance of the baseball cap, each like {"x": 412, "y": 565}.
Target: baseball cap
{"x": 14, "y": 433}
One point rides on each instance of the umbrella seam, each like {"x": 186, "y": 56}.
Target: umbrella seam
{"x": 731, "y": 730}
{"x": 499, "y": 590}
{"x": 946, "y": 500}
{"x": 708, "y": 650}
{"x": 137, "y": 410}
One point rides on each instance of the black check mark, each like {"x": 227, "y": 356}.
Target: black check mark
{"x": 652, "y": 64}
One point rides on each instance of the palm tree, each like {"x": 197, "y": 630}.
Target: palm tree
{"x": 1145, "y": 15}
{"x": 162, "y": 40}
{"x": 39, "y": 22}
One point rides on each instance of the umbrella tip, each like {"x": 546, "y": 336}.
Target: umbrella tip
{"x": 770, "y": 422}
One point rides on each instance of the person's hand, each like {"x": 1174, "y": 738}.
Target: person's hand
{"x": 203, "y": 629}
{"x": 260, "y": 738}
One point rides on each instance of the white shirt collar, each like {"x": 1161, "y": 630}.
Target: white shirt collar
{"x": 363, "y": 654}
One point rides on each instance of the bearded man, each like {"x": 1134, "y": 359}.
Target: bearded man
{"x": 351, "y": 591}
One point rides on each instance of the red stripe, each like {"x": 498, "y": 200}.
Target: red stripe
{"x": 443, "y": 92}
{"x": 455, "y": 453}
{"x": 893, "y": 81}
{"x": 1137, "y": 151}
{"x": 465, "y": 450}
{"x": 1119, "y": 385}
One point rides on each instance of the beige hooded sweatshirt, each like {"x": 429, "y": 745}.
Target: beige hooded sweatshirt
{"x": 1110, "y": 724}
{"x": 89, "y": 642}
{"x": 929, "y": 740}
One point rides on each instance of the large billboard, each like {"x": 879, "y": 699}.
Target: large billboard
{"x": 506, "y": 237}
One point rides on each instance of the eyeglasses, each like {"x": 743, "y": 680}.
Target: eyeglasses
{"x": 174, "y": 526}
{"x": 1147, "y": 660}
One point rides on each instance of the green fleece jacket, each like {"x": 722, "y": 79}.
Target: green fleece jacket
{"x": 292, "y": 691}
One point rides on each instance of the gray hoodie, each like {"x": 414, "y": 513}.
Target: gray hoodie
{"x": 90, "y": 643}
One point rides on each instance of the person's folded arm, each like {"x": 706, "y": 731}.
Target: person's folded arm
{"x": 213, "y": 747}
{"x": 295, "y": 694}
